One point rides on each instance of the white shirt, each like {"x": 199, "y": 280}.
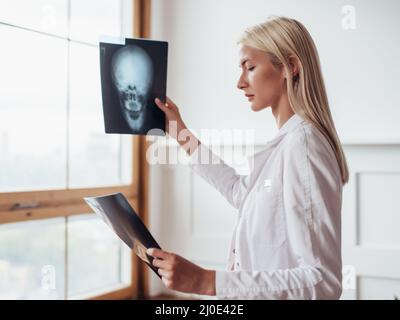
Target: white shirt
{"x": 287, "y": 239}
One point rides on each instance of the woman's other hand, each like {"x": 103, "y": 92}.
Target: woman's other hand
{"x": 182, "y": 275}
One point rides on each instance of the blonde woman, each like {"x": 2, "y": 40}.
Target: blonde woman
{"x": 287, "y": 240}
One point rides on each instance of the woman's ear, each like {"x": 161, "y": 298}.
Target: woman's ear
{"x": 294, "y": 66}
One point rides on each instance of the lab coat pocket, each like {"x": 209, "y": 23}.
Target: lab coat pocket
{"x": 267, "y": 225}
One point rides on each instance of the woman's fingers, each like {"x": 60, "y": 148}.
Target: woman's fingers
{"x": 168, "y": 105}
{"x": 161, "y": 104}
{"x": 160, "y": 258}
{"x": 163, "y": 264}
{"x": 165, "y": 274}
{"x": 170, "y": 102}
{"x": 157, "y": 253}
{"x": 172, "y": 116}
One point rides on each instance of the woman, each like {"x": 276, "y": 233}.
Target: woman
{"x": 287, "y": 240}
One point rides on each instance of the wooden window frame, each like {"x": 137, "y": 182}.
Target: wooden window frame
{"x": 38, "y": 205}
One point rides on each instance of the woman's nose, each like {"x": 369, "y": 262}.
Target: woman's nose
{"x": 241, "y": 83}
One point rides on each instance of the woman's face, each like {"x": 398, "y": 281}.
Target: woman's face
{"x": 260, "y": 78}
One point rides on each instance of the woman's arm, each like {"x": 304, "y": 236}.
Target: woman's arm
{"x": 202, "y": 160}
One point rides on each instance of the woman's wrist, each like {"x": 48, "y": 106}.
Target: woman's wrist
{"x": 174, "y": 128}
{"x": 207, "y": 283}
{"x": 186, "y": 139}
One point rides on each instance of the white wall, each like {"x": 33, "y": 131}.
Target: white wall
{"x": 360, "y": 65}
{"x": 361, "y": 71}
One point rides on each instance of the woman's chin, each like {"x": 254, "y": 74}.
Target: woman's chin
{"x": 256, "y": 107}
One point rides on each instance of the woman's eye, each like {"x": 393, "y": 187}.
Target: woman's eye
{"x": 250, "y": 69}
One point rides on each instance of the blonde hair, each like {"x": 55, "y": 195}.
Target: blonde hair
{"x": 282, "y": 38}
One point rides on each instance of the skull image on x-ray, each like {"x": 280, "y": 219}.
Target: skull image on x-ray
{"x": 132, "y": 76}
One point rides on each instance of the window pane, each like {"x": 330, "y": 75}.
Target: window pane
{"x": 126, "y": 159}
{"x": 33, "y": 82}
{"x": 92, "y": 18}
{"x": 43, "y": 15}
{"x": 32, "y": 259}
{"x": 95, "y": 158}
{"x": 97, "y": 259}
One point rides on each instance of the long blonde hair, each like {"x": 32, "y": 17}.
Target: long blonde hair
{"x": 282, "y": 38}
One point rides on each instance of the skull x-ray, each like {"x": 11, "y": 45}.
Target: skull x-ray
{"x": 132, "y": 75}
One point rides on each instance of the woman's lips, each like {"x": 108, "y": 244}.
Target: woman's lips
{"x": 250, "y": 98}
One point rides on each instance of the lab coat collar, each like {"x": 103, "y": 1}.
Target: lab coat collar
{"x": 290, "y": 124}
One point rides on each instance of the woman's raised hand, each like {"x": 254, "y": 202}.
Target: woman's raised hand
{"x": 175, "y": 126}
{"x": 173, "y": 120}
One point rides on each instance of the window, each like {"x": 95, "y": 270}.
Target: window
{"x": 53, "y": 151}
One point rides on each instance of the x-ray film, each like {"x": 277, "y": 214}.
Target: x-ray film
{"x": 132, "y": 76}
{"x": 117, "y": 213}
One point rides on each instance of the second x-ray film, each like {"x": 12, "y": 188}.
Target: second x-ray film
{"x": 117, "y": 213}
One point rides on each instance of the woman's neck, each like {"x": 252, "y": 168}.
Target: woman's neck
{"x": 282, "y": 111}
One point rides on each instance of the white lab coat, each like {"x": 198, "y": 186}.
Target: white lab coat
{"x": 287, "y": 239}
